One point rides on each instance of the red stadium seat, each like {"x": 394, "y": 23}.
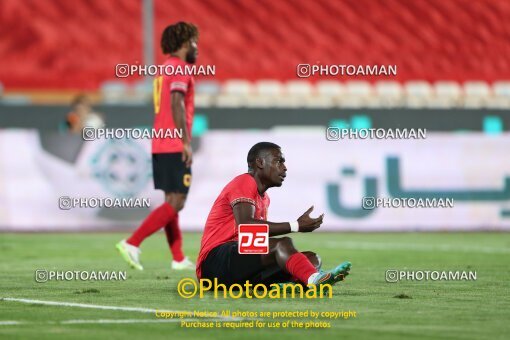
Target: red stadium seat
{"x": 77, "y": 44}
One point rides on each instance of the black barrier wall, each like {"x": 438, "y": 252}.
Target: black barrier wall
{"x": 51, "y": 117}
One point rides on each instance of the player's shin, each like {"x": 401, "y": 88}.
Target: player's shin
{"x": 155, "y": 221}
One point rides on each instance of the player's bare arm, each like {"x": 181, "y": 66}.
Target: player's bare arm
{"x": 179, "y": 115}
{"x": 244, "y": 213}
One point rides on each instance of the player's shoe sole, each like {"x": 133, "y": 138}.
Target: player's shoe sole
{"x": 125, "y": 255}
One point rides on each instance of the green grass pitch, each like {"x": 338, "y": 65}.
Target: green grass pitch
{"x": 410, "y": 309}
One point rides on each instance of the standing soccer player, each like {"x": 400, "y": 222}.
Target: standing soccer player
{"x": 245, "y": 201}
{"x": 171, "y": 158}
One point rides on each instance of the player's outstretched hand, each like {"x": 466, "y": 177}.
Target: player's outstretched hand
{"x": 187, "y": 154}
{"x": 308, "y": 224}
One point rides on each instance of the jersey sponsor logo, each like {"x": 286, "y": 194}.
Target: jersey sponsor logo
{"x": 253, "y": 239}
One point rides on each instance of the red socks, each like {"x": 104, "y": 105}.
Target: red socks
{"x": 174, "y": 238}
{"x": 300, "y": 267}
{"x": 165, "y": 216}
{"x": 160, "y": 217}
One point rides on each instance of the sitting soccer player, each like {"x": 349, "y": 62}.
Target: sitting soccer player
{"x": 244, "y": 201}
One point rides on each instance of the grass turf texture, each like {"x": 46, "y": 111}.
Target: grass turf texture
{"x": 410, "y": 309}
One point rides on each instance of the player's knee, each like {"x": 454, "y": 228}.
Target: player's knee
{"x": 177, "y": 202}
{"x": 180, "y": 205}
{"x": 285, "y": 243}
{"x": 285, "y": 240}
{"x": 314, "y": 258}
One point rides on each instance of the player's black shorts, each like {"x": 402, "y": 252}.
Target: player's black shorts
{"x": 226, "y": 264}
{"x": 170, "y": 172}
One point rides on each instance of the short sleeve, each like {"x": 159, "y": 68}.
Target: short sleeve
{"x": 244, "y": 189}
{"x": 179, "y": 83}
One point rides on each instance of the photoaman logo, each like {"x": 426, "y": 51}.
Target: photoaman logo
{"x": 188, "y": 288}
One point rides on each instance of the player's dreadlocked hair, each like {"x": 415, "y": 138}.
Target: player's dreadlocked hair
{"x": 174, "y": 36}
{"x": 256, "y": 151}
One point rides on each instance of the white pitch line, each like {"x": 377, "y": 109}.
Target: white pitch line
{"x": 83, "y": 305}
{"x": 104, "y": 321}
{"x": 8, "y": 323}
{"x": 115, "y": 321}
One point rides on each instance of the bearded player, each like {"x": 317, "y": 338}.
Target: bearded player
{"x": 171, "y": 158}
{"x": 244, "y": 201}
